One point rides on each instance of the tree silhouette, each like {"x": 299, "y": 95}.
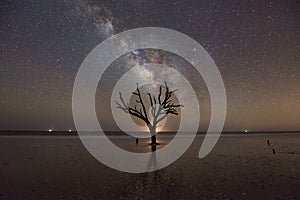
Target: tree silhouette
{"x": 161, "y": 106}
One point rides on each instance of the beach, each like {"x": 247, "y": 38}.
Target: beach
{"x": 241, "y": 166}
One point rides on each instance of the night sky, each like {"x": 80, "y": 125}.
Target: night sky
{"x": 255, "y": 45}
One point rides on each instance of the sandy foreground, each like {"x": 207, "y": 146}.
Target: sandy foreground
{"x": 239, "y": 167}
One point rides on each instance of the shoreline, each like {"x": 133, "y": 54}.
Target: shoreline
{"x": 120, "y": 133}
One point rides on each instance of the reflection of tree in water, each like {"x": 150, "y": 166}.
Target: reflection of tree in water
{"x": 152, "y": 164}
{"x": 151, "y": 185}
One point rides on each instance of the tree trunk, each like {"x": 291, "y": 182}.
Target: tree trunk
{"x": 153, "y": 139}
{"x": 153, "y": 143}
{"x": 152, "y": 130}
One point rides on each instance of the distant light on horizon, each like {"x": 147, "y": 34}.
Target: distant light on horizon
{"x": 246, "y": 131}
{"x": 50, "y": 130}
{"x": 70, "y": 130}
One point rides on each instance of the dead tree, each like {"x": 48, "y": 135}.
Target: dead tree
{"x": 161, "y": 106}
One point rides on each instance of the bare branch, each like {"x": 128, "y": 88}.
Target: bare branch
{"x": 159, "y": 112}
{"x": 141, "y": 101}
{"x": 151, "y": 102}
{"x": 132, "y": 111}
{"x": 154, "y": 99}
{"x": 159, "y": 95}
{"x": 160, "y": 119}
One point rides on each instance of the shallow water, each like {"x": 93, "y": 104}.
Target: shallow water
{"x": 239, "y": 167}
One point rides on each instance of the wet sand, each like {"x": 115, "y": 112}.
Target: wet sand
{"x": 239, "y": 167}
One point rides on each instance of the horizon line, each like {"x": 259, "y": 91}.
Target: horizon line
{"x": 204, "y": 131}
